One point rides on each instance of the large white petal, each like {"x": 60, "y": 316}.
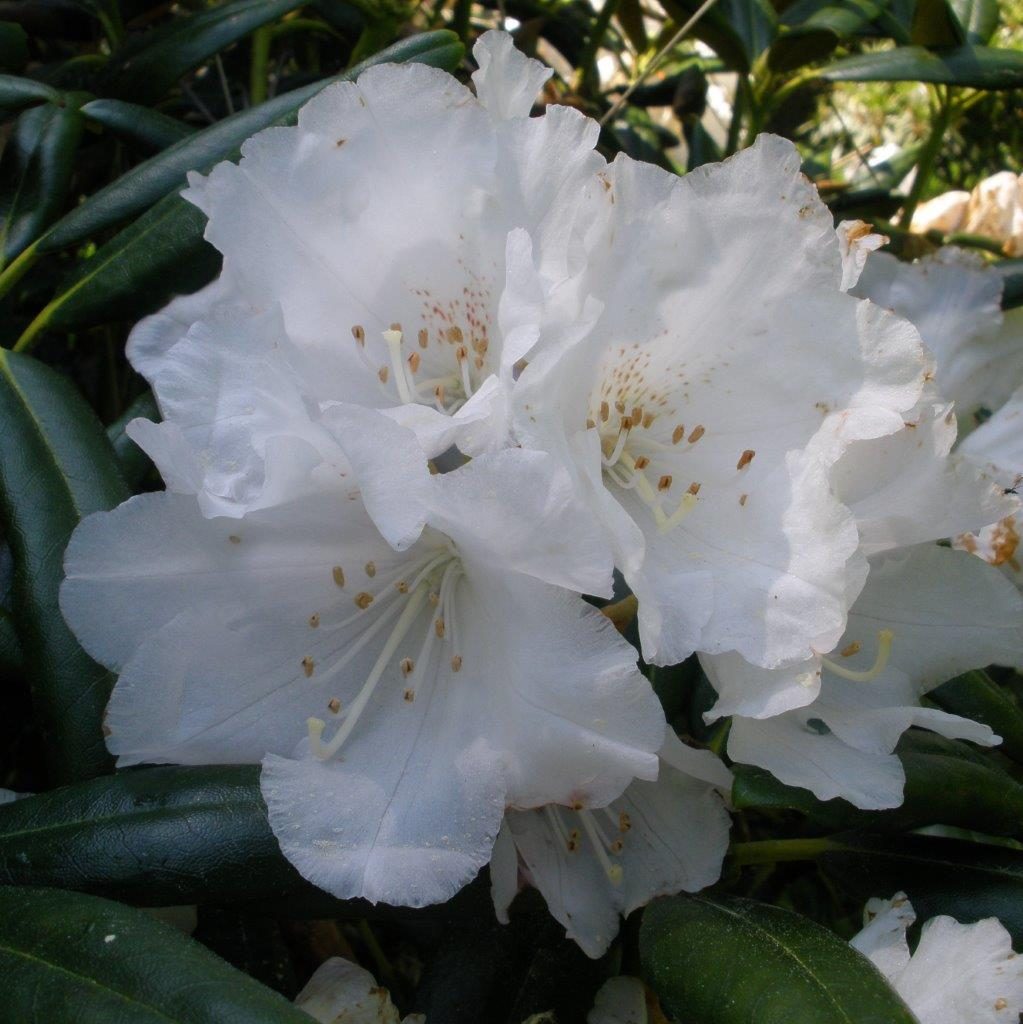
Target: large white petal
{"x": 518, "y": 510}
{"x": 410, "y": 813}
{"x": 228, "y": 392}
{"x": 142, "y": 564}
{"x": 755, "y": 692}
{"x": 963, "y": 974}
{"x": 663, "y": 837}
{"x": 567, "y": 706}
{"x": 905, "y": 488}
{"x": 801, "y": 752}
{"x": 507, "y": 82}
{"x": 954, "y": 301}
{"x": 949, "y": 613}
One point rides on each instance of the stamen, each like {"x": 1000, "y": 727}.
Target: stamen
{"x": 605, "y": 412}
{"x": 745, "y": 459}
{"x": 359, "y": 334}
{"x": 414, "y": 360}
{"x": 334, "y": 705}
{"x": 677, "y": 434}
{"x": 559, "y": 829}
{"x": 884, "y": 650}
{"x": 599, "y": 843}
{"x": 664, "y": 484}
{"x": 424, "y": 337}
{"x": 371, "y": 569}
{"x": 697, "y": 433}
{"x": 401, "y": 627}
{"x": 623, "y": 437}
{"x": 401, "y": 381}
{"x": 463, "y": 364}
{"x": 339, "y": 575}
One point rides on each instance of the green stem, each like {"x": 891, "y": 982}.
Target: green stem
{"x": 258, "y": 67}
{"x": 774, "y": 851}
{"x": 586, "y": 77}
{"x": 927, "y": 159}
{"x": 17, "y": 269}
{"x": 461, "y": 19}
{"x": 735, "y": 125}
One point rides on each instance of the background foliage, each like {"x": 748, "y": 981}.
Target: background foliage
{"x": 106, "y": 105}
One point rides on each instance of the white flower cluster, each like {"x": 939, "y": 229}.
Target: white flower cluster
{"x": 457, "y": 371}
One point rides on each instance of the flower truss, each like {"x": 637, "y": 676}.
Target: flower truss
{"x": 457, "y": 370}
{"x": 958, "y": 974}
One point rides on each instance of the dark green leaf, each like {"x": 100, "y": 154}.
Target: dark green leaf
{"x": 979, "y": 18}
{"x": 979, "y": 67}
{"x": 737, "y": 30}
{"x": 11, "y": 657}
{"x": 934, "y": 25}
{"x": 702, "y": 149}
{"x": 820, "y": 32}
{"x": 56, "y": 465}
{"x": 135, "y": 464}
{"x": 65, "y": 956}
{"x": 150, "y": 181}
{"x": 721, "y": 960}
{"x": 149, "y": 66}
{"x": 968, "y": 881}
{"x": 160, "y": 254}
{"x": 35, "y": 173}
{"x": 16, "y": 93}
{"x": 149, "y": 128}
{"x": 151, "y": 836}
{"x": 976, "y": 695}
{"x": 13, "y": 46}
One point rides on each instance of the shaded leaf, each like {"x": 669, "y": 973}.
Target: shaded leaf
{"x": 935, "y": 24}
{"x": 980, "y": 67}
{"x": 976, "y": 695}
{"x": 35, "y": 172}
{"x": 152, "y": 836}
{"x": 67, "y": 956}
{"x": 56, "y": 465}
{"x": 979, "y": 18}
{"x": 968, "y": 881}
{"x": 16, "y": 93}
{"x": 13, "y": 46}
{"x": 722, "y": 960}
{"x": 148, "y": 128}
{"x": 147, "y": 67}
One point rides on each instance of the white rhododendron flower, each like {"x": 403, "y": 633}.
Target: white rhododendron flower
{"x": 954, "y": 300}
{"x": 406, "y": 238}
{"x": 340, "y": 992}
{"x": 454, "y": 672}
{"x": 831, "y": 725}
{"x": 997, "y": 445}
{"x": 718, "y": 370}
{"x": 958, "y": 973}
{"x": 595, "y": 866}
